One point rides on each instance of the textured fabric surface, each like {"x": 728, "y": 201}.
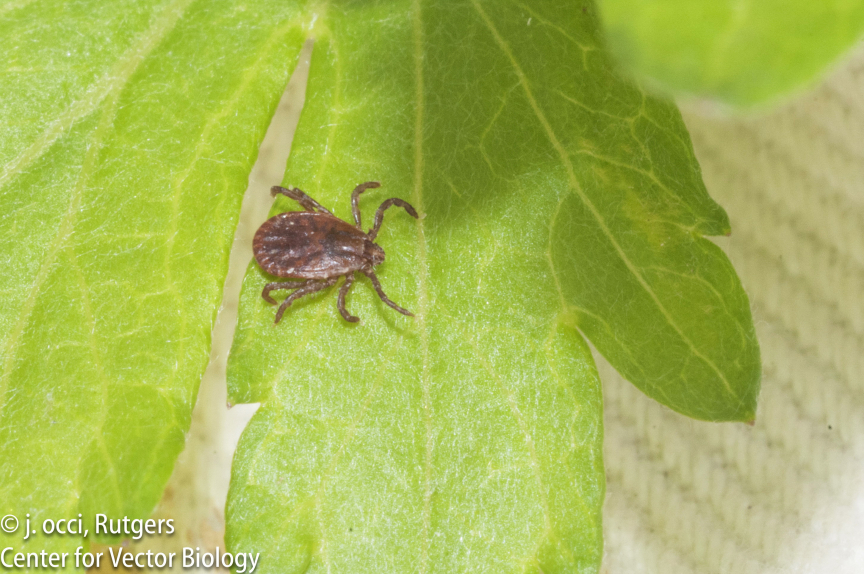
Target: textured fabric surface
{"x": 787, "y": 494}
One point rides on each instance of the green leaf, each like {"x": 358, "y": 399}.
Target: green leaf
{"x": 742, "y": 53}
{"x": 555, "y": 196}
{"x": 127, "y": 134}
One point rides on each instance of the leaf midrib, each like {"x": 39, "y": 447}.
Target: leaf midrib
{"x": 422, "y": 286}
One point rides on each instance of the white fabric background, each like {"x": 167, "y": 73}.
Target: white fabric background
{"x": 785, "y": 495}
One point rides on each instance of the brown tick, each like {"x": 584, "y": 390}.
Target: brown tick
{"x": 317, "y": 246}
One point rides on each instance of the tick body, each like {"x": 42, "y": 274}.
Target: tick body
{"x": 318, "y": 247}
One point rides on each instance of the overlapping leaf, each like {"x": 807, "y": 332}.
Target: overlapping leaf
{"x": 742, "y": 53}
{"x": 127, "y": 135}
{"x": 556, "y": 197}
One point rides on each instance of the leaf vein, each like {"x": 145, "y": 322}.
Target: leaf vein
{"x": 422, "y": 287}
{"x": 111, "y": 82}
{"x": 577, "y": 188}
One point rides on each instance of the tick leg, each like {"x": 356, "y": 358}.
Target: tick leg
{"x": 385, "y": 298}
{"x": 297, "y": 195}
{"x": 280, "y": 285}
{"x": 379, "y": 215}
{"x": 355, "y": 199}
{"x": 308, "y": 288}
{"x": 349, "y": 280}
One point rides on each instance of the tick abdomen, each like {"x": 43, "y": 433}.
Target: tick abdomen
{"x": 306, "y": 245}
{"x": 317, "y": 246}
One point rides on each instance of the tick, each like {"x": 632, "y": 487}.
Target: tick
{"x": 318, "y": 247}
